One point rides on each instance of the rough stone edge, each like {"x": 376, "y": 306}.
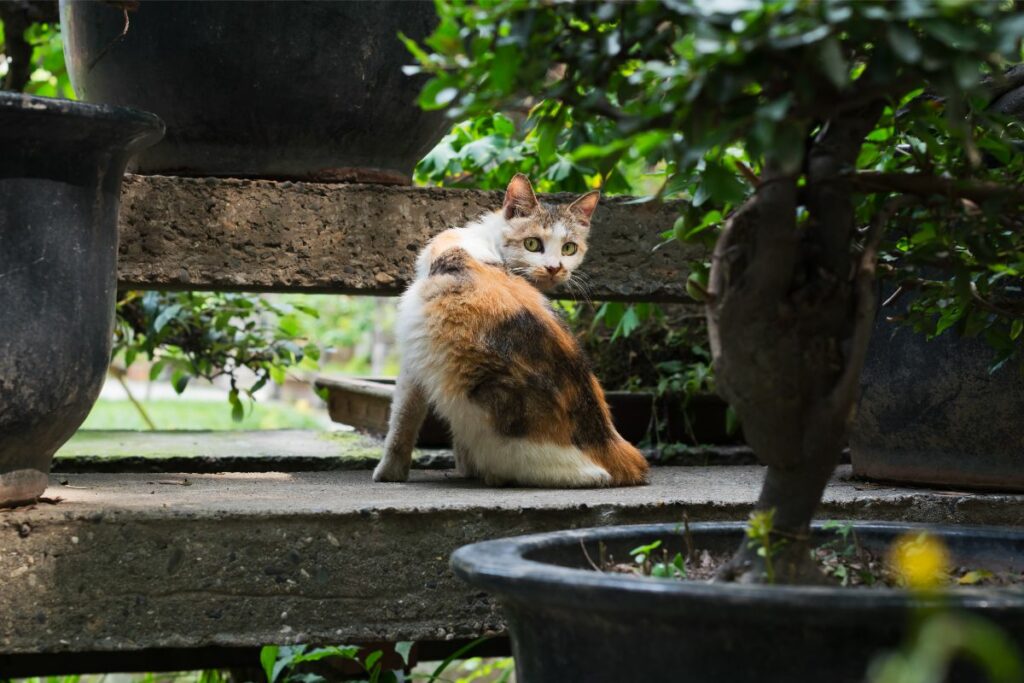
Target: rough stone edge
{"x": 273, "y": 237}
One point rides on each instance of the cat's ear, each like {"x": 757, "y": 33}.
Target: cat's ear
{"x": 583, "y": 208}
{"x": 519, "y": 197}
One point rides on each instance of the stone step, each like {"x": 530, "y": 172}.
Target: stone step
{"x": 288, "y": 450}
{"x": 129, "y": 561}
{"x": 261, "y": 235}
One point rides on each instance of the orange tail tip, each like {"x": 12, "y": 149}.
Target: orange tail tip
{"x": 626, "y": 465}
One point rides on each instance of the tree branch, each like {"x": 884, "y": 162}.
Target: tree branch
{"x": 925, "y": 185}
{"x": 864, "y": 317}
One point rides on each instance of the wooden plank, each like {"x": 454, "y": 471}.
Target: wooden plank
{"x": 255, "y": 235}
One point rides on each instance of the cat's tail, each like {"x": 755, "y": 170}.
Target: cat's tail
{"x": 626, "y": 465}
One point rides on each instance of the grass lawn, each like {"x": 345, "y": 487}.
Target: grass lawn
{"x": 186, "y": 414}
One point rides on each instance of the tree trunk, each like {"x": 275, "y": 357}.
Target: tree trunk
{"x": 786, "y": 319}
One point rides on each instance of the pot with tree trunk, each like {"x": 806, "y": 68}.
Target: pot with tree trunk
{"x": 266, "y": 89}
{"x": 60, "y": 185}
{"x": 803, "y": 131}
{"x": 576, "y": 609}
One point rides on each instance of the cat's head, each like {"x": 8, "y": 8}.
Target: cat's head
{"x": 540, "y": 242}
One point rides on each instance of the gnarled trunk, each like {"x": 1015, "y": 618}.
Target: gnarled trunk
{"x": 788, "y": 315}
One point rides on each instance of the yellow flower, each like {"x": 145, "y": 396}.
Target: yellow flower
{"x": 921, "y": 560}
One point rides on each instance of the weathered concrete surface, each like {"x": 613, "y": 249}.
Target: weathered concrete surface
{"x": 287, "y": 450}
{"x": 204, "y": 233}
{"x": 132, "y": 561}
{"x": 284, "y": 450}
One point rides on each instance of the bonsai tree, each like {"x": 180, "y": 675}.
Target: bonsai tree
{"x": 809, "y": 138}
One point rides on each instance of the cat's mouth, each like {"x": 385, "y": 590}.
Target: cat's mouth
{"x": 545, "y": 281}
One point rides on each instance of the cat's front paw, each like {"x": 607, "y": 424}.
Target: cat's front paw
{"x": 390, "y": 471}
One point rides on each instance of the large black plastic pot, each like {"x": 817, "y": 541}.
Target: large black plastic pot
{"x": 60, "y": 181}
{"x": 931, "y": 413}
{"x": 569, "y": 623}
{"x": 279, "y": 89}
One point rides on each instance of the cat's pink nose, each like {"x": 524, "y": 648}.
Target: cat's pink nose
{"x": 553, "y": 270}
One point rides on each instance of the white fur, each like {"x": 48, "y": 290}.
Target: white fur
{"x": 480, "y": 449}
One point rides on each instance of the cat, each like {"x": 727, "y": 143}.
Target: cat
{"x": 482, "y": 344}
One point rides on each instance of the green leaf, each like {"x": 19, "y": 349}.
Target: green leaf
{"x": 458, "y": 654}
{"x": 268, "y": 656}
{"x": 645, "y": 549}
{"x": 156, "y": 369}
{"x": 833, "y": 64}
{"x": 1016, "y": 327}
{"x": 404, "y": 648}
{"x": 904, "y": 43}
{"x": 974, "y": 577}
{"x": 179, "y": 380}
{"x": 720, "y": 185}
{"x": 165, "y": 317}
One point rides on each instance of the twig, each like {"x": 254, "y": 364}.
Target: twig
{"x": 988, "y": 305}
{"x": 583, "y": 547}
{"x": 895, "y": 295}
{"x": 864, "y": 281}
{"x": 106, "y": 48}
{"x": 691, "y": 551}
{"x": 748, "y": 173}
{"x": 135, "y": 402}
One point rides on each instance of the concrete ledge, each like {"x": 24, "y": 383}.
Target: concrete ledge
{"x": 286, "y": 450}
{"x": 283, "y": 450}
{"x": 134, "y": 561}
{"x": 259, "y": 235}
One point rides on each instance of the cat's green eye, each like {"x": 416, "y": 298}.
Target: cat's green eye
{"x": 569, "y": 248}
{"x": 532, "y": 244}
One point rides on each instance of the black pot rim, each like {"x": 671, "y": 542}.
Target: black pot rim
{"x": 137, "y": 128}
{"x": 500, "y": 567}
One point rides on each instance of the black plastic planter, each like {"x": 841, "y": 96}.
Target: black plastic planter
{"x": 932, "y": 413}
{"x": 569, "y": 623}
{"x": 279, "y": 89}
{"x": 60, "y": 183}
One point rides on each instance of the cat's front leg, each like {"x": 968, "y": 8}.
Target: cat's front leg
{"x": 408, "y": 410}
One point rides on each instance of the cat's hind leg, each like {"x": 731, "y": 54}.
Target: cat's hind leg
{"x": 464, "y": 465}
{"x": 408, "y": 410}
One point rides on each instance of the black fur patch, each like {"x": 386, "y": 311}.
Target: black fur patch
{"x": 451, "y": 262}
{"x": 525, "y": 377}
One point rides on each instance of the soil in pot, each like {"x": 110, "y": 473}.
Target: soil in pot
{"x": 562, "y": 615}
{"x": 261, "y": 89}
{"x": 60, "y": 187}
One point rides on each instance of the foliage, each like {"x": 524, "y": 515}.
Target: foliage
{"x": 47, "y": 76}
{"x": 280, "y": 662}
{"x": 284, "y": 663}
{"x": 760, "y": 528}
{"x": 210, "y": 335}
{"x": 706, "y": 91}
{"x": 927, "y": 656}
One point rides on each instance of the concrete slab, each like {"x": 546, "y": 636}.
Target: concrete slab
{"x": 133, "y": 561}
{"x": 286, "y": 450}
{"x": 227, "y": 234}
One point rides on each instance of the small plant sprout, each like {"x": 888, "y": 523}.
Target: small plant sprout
{"x": 759, "y": 531}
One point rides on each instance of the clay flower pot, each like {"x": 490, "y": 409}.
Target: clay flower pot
{"x": 60, "y": 185}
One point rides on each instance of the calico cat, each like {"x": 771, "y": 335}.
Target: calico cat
{"x": 482, "y": 345}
